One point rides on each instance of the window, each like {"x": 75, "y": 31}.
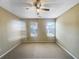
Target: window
{"x": 50, "y": 29}
{"x": 33, "y": 29}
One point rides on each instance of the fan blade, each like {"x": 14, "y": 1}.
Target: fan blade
{"x": 46, "y": 9}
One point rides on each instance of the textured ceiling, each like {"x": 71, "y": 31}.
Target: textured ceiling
{"x": 19, "y": 7}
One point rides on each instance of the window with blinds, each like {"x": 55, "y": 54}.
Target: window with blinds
{"x": 50, "y": 28}
{"x": 33, "y": 29}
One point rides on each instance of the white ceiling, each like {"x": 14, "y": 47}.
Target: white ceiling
{"x": 57, "y": 7}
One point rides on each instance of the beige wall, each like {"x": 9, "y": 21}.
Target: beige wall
{"x": 67, "y": 31}
{"x": 42, "y": 37}
{"x": 9, "y": 30}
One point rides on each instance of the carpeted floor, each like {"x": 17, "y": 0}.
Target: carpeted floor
{"x": 38, "y": 51}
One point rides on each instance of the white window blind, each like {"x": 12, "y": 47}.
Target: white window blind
{"x": 50, "y": 28}
{"x": 33, "y": 29}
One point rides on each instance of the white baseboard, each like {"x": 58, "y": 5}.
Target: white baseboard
{"x": 66, "y": 50}
{"x": 9, "y": 50}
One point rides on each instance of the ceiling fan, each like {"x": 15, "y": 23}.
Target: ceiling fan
{"x": 37, "y": 4}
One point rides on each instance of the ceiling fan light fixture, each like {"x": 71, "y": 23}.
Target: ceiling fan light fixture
{"x": 38, "y": 10}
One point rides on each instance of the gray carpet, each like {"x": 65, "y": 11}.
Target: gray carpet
{"x": 38, "y": 51}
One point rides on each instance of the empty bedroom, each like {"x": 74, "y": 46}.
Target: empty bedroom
{"x": 39, "y": 29}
